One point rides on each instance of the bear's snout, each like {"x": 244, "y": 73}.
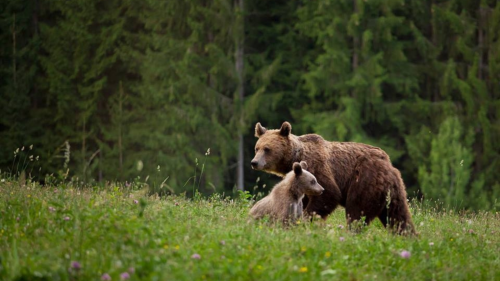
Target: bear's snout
{"x": 320, "y": 190}
{"x": 254, "y": 164}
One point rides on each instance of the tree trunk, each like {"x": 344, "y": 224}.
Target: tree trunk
{"x": 14, "y": 51}
{"x": 240, "y": 40}
{"x": 120, "y": 150}
{"x": 355, "y": 58}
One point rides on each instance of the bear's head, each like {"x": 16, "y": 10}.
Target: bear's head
{"x": 274, "y": 151}
{"x": 304, "y": 182}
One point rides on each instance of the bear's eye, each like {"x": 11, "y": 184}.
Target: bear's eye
{"x": 313, "y": 182}
{"x": 256, "y": 149}
{"x": 266, "y": 149}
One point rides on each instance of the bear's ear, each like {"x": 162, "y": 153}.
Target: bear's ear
{"x": 303, "y": 164}
{"x": 297, "y": 169}
{"x": 286, "y": 129}
{"x": 259, "y": 130}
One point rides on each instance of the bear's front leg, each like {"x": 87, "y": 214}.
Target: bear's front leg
{"x": 324, "y": 204}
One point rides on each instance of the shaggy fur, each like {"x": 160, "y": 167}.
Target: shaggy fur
{"x": 284, "y": 203}
{"x": 358, "y": 176}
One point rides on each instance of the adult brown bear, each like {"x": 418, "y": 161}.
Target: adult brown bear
{"x": 358, "y": 176}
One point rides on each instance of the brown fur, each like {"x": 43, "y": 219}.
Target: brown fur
{"x": 284, "y": 203}
{"x": 355, "y": 175}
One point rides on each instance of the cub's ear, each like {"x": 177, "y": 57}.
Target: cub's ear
{"x": 259, "y": 130}
{"x": 297, "y": 169}
{"x": 303, "y": 164}
{"x": 286, "y": 129}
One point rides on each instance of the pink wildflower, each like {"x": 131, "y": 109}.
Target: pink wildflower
{"x": 405, "y": 254}
{"x": 124, "y": 276}
{"x": 76, "y": 265}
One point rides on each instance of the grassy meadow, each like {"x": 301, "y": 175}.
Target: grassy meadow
{"x": 117, "y": 232}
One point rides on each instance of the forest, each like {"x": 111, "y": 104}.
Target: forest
{"x": 169, "y": 92}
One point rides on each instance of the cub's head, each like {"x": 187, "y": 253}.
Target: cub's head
{"x": 273, "y": 150}
{"x": 305, "y": 182}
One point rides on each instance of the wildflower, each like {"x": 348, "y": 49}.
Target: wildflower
{"x": 196, "y": 256}
{"x": 176, "y": 204}
{"x": 135, "y": 201}
{"x": 303, "y": 269}
{"x": 127, "y": 184}
{"x": 405, "y": 254}
{"x": 431, "y": 244}
{"x": 303, "y": 249}
{"x": 124, "y": 276}
{"x": 3, "y": 180}
{"x": 67, "y": 218}
{"x": 105, "y": 277}
{"x": 471, "y": 231}
{"x": 341, "y": 239}
{"x": 52, "y": 209}
{"x": 139, "y": 165}
{"x": 76, "y": 265}
{"x": 31, "y": 147}
{"x": 341, "y": 226}
{"x": 328, "y": 254}
{"x": 131, "y": 270}
{"x": 208, "y": 152}
{"x": 222, "y": 242}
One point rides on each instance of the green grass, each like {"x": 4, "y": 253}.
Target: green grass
{"x": 105, "y": 231}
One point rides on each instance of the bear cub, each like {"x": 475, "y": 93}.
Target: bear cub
{"x": 284, "y": 203}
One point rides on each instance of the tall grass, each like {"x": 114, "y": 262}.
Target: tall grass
{"x": 59, "y": 232}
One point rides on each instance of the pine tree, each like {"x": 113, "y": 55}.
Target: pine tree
{"x": 18, "y": 71}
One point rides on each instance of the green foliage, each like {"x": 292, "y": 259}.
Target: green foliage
{"x": 103, "y": 88}
{"x": 64, "y": 233}
{"x": 449, "y": 166}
